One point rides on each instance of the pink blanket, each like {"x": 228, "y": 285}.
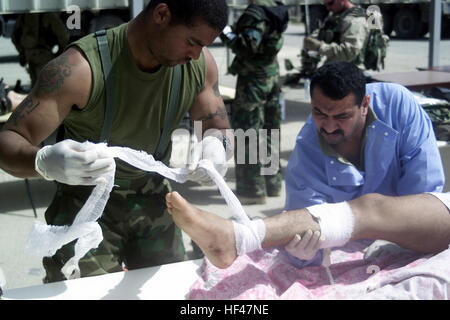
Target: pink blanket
{"x": 268, "y": 275}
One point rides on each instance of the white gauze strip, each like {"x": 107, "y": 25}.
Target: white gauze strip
{"x": 248, "y": 234}
{"x": 336, "y": 222}
{"x": 45, "y": 240}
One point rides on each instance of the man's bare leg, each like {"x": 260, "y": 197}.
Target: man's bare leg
{"x": 215, "y": 235}
{"x": 417, "y": 222}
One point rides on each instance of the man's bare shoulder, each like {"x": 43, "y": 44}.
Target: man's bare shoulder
{"x": 212, "y": 72}
{"x": 67, "y": 76}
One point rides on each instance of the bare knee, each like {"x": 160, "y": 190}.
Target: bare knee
{"x": 368, "y": 210}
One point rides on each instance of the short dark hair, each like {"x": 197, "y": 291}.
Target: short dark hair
{"x": 338, "y": 79}
{"x": 213, "y": 12}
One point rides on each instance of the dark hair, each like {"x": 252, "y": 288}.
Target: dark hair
{"x": 338, "y": 79}
{"x": 187, "y": 12}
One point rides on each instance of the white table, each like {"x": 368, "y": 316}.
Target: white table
{"x": 166, "y": 282}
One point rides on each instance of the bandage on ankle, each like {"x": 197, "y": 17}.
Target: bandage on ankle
{"x": 249, "y": 235}
{"x": 336, "y": 221}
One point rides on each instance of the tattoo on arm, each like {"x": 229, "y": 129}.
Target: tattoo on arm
{"x": 216, "y": 89}
{"x": 23, "y": 109}
{"x": 51, "y": 77}
{"x": 221, "y": 113}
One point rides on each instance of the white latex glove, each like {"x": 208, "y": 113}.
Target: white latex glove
{"x": 212, "y": 149}
{"x": 380, "y": 248}
{"x": 73, "y": 163}
{"x": 305, "y": 248}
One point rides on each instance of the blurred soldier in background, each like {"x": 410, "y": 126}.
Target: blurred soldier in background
{"x": 255, "y": 39}
{"x": 35, "y": 35}
{"x": 344, "y": 35}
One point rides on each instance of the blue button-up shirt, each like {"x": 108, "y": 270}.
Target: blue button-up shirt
{"x": 400, "y": 155}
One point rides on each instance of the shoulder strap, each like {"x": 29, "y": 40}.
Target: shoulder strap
{"x": 105, "y": 58}
{"x": 170, "y": 118}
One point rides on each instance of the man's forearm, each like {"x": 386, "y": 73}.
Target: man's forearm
{"x": 17, "y": 155}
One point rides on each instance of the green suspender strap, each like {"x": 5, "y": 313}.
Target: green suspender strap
{"x": 173, "y": 104}
{"x": 105, "y": 58}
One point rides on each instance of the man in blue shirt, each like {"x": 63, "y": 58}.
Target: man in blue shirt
{"x": 360, "y": 139}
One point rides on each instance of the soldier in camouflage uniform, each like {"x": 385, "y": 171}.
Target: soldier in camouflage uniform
{"x": 341, "y": 37}
{"x": 258, "y": 39}
{"x": 34, "y": 35}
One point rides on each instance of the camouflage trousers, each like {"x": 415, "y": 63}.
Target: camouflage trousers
{"x": 256, "y": 106}
{"x": 440, "y": 117}
{"x": 137, "y": 229}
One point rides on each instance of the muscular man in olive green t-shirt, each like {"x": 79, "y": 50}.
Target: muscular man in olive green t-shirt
{"x": 137, "y": 229}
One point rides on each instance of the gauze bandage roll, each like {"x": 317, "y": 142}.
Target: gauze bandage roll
{"x": 336, "y": 221}
{"x": 45, "y": 240}
{"x": 249, "y": 236}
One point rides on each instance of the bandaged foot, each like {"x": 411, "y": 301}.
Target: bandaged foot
{"x": 336, "y": 221}
{"x": 213, "y": 234}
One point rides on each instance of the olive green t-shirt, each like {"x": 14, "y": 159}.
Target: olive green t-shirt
{"x": 140, "y": 99}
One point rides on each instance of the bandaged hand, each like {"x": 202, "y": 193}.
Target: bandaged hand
{"x": 305, "y": 248}
{"x": 210, "y": 148}
{"x": 311, "y": 44}
{"x": 74, "y": 163}
{"x": 380, "y": 248}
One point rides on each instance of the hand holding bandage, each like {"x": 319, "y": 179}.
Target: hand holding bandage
{"x": 212, "y": 149}
{"x": 74, "y": 163}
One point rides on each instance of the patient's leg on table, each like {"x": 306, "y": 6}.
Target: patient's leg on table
{"x": 416, "y": 222}
{"x": 216, "y": 235}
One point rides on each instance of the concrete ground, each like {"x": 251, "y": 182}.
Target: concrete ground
{"x": 16, "y": 215}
